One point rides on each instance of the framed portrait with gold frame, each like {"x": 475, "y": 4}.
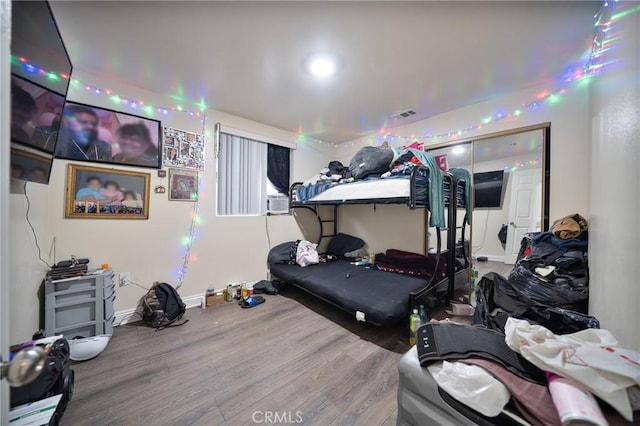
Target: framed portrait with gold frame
{"x": 106, "y": 193}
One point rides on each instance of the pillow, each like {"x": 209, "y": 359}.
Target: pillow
{"x": 370, "y": 160}
{"x": 343, "y": 243}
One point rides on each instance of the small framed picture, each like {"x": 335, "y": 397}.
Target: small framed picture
{"x": 102, "y": 193}
{"x": 183, "y": 185}
{"x": 162, "y": 173}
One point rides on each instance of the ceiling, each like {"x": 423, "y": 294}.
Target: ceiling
{"x": 246, "y": 58}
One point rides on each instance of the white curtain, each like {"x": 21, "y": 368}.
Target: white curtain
{"x": 242, "y": 176}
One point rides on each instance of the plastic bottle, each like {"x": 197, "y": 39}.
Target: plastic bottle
{"x": 474, "y": 277}
{"x": 414, "y": 324}
{"x": 575, "y": 405}
{"x": 229, "y": 294}
{"x": 243, "y": 289}
{"x": 423, "y": 315}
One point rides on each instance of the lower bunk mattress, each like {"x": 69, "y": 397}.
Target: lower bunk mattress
{"x": 382, "y": 297}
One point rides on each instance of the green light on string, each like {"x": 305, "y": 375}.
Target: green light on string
{"x": 459, "y": 132}
{"x": 14, "y": 60}
{"x": 52, "y": 76}
{"x": 186, "y": 240}
{"x": 624, "y": 13}
{"x": 179, "y": 108}
{"x": 197, "y": 220}
{"x": 148, "y": 109}
{"x": 486, "y": 120}
{"x": 116, "y": 99}
{"x": 552, "y": 99}
{"x": 517, "y": 112}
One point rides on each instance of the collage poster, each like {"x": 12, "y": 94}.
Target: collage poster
{"x": 183, "y": 149}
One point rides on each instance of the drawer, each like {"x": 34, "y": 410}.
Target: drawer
{"x": 67, "y": 298}
{"x": 109, "y": 288}
{"x": 82, "y": 331}
{"x": 88, "y": 282}
{"x": 74, "y": 314}
{"x": 108, "y": 306}
{"x": 108, "y": 325}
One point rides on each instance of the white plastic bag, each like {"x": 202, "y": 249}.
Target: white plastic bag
{"x": 307, "y": 254}
{"x": 590, "y": 357}
{"x": 472, "y": 386}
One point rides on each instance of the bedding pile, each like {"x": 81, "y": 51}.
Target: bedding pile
{"x": 374, "y": 163}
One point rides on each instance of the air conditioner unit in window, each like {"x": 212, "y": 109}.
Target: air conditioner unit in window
{"x": 277, "y": 204}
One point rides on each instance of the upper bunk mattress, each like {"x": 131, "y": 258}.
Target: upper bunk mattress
{"x": 383, "y": 297}
{"x": 366, "y": 189}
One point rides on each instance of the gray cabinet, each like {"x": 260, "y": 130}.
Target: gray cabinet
{"x": 80, "y": 306}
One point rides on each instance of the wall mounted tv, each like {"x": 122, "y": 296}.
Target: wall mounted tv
{"x": 40, "y": 70}
{"x": 487, "y": 189}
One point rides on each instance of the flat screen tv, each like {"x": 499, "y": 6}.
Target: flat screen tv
{"x": 94, "y": 134}
{"x": 40, "y": 70}
{"x": 35, "y": 114}
{"x": 487, "y": 189}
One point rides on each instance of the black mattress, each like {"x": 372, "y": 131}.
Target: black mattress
{"x": 383, "y": 297}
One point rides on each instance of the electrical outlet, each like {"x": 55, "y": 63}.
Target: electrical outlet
{"x": 125, "y": 278}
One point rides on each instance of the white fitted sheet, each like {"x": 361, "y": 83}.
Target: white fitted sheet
{"x": 367, "y": 189}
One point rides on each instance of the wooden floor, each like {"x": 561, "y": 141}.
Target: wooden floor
{"x": 293, "y": 354}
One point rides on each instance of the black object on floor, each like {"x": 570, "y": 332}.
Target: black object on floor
{"x": 57, "y": 377}
{"x": 482, "y": 259}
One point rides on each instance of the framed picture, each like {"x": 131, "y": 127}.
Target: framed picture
{"x": 183, "y": 185}
{"x": 183, "y": 149}
{"x": 89, "y": 133}
{"x": 102, "y": 193}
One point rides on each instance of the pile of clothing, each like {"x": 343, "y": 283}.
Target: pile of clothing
{"x": 548, "y": 379}
{"x": 403, "y": 262}
{"x": 548, "y": 285}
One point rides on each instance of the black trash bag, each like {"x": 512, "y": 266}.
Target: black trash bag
{"x": 561, "y": 293}
{"x": 502, "y": 234}
{"x": 497, "y": 299}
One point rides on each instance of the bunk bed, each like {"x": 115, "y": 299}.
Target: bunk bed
{"x": 372, "y": 295}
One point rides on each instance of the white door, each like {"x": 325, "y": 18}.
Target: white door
{"x": 5, "y": 36}
{"x": 524, "y": 209}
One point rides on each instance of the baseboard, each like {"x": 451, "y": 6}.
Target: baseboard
{"x": 490, "y": 257}
{"x": 130, "y": 315}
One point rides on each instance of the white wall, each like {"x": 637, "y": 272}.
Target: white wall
{"x": 570, "y": 157}
{"x": 225, "y": 249}
{"x": 614, "y": 229}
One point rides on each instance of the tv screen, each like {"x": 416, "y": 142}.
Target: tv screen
{"x": 487, "y": 189}
{"x": 90, "y": 133}
{"x": 35, "y": 114}
{"x": 30, "y": 165}
{"x": 40, "y": 73}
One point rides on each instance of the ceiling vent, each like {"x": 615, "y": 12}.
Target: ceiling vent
{"x": 403, "y": 114}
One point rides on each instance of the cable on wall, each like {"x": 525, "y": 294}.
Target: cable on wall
{"x": 192, "y": 228}
{"x": 33, "y": 231}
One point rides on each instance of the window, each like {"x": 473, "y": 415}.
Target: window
{"x": 249, "y": 171}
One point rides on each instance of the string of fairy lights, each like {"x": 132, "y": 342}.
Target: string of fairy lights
{"x": 593, "y": 65}
{"x": 603, "y": 23}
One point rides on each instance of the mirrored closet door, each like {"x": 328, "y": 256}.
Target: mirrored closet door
{"x": 510, "y": 192}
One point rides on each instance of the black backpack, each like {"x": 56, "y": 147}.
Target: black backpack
{"x": 162, "y": 306}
